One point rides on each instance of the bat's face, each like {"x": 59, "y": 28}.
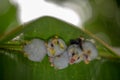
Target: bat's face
{"x": 56, "y": 46}
{"x": 75, "y": 54}
{"x": 90, "y": 52}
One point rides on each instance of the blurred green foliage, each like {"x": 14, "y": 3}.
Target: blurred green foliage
{"x": 105, "y": 22}
{"x": 8, "y": 16}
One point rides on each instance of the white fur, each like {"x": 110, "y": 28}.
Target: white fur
{"x": 62, "y": 61}
{"x": 36, "y": 50}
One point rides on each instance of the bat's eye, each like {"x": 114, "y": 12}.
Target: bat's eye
{"x": 86, "y": 56}
{"x": 78, "y": 58}
{"x": 73, "y": 54}
{"x": 52, "y": 45}
{"x": 57, "y": 42}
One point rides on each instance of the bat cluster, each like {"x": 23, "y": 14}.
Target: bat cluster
{"x": 60, "y": 55}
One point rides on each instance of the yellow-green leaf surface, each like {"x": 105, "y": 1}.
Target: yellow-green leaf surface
{"x": 8, "y": 16}
{"x": 15, "y": 66}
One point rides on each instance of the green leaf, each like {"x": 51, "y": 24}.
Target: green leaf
{"x": 47, "y": 27}
{"x": 18, "y": 67}
{"x": 8, "y": 16}
{"x": 105, "y": 22}
{"x": 15, "y": 66}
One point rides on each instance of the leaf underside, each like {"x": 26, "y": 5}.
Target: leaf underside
{"x": 15, "y": 66}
